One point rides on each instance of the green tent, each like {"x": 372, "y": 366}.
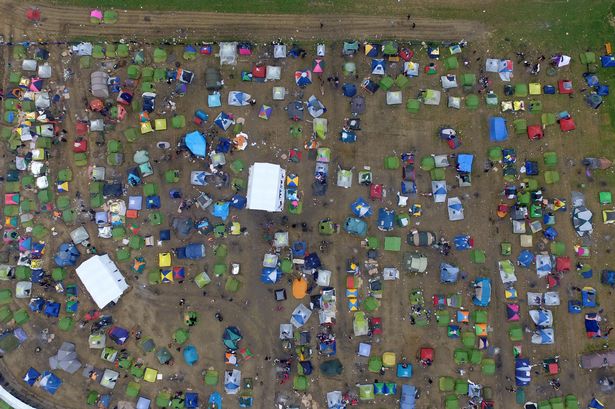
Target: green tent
{"x": 134, "y": 72}
{"x": 535, "y": 106}
{"x": 23, "y": 273}
{"x": 150, "y": 189}
{"x": 286, "y": 265}
{"x": 451, "y": 402}
{"x": 11, "y": 210}
{"x": 366, "y": 392}
{"x": 468, "y": 80}
{"x": 428, "y": 163}
{"x": 550, "y": 158}
{"x": 392, "y": 243}
{"x": 163, "y": 399}
{"x": 211, "y": 377}
{"x": 587, "y": 57}
{"x": 461, "y": 356}
{"x": 21, "y": 316}
{"x": 132, "y": 389}
{"x": 181, "y": 336}
{"x": 545, "y": 404}
{"x": 547, "y": 119}
{"x": 386, "y": 83}
{"x": 521, "y": 90}
{"x": 551, "y": 177}
{"x": 605, "y": 198}
{"x": 300, "y": 383}
{"x": 14, "y": 77}
{"x": 123, "y": 51}
{"x": 159, "y": 74}
{"x": 160, "y": 55}
{"x": 476, "y": 356}
{"x": 110, "y": 17}
{"x": 515, "y": 333}
{"x": 373, "y": 242}
{"x": 238, "y": 166}
{"x": 136, "y": 242}
{"x": 331, "y": 367}
{"x": 451, "y": 63}
{"x": 374, "y": 364}
{"x": 572, "y": 402}
{"x": 155, "y": 218}
{"x": 5, "y": 314}
{"x": 178, "y": 122}
{"x": 137, "y": 370}
{"x": 19, "y": 52}
{"x": 171, "y": 176}
{"x": 9, "y": 343}
{"x": 488, "y": 366}
{"x": 122, "y": 254}
{"x": 92, "y": 398}
{"x": 437, "y": 174}
{"x": 392, "y": 162}
{"x": 97, "y": 200}
{"x": 131, "y": 134}
{"x": 98, "y": 52}
{"x": 461, "y": 387}
{"x": 520, "y": 126}
{"x": 443, "y": 317}
{"x": 371, "y": 304}
{"x": 118, "y": 233}
{"x": 6, "y": 296}
{"x": 220, "y": 269}
{"x": 58, "y": 274}
{"x": 26, "y": 206}
{"x": 557, "y": 402}
{"x": 147, "y": 344}
{"x": 472, "y": 102}
{"x": 65, "y": 175}
{"x": 110, "y": 51}
{"x": 232, "y": 285}
{"x": 95, "y": 187}
{"x": 480, "y": 316}
{"x": 147, "y": 74}
{"x": 402, "y": 81}
{"x": 69, "y": 216}
{"x": 413, "y": 105}
{"x": 114, "y": 146}
{"x": 446, "y": 384}
{"x": 202, "y": 279}
{"x": 468, "y": 339}
{"x": 85, "y": 62}
{"x": 478, "y": 256}
{"x": 66, "y": 324}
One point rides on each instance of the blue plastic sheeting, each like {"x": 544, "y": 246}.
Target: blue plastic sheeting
{"x": 196, "y": 144}
{"x": 408, "y": 397}
{"x": 50, "y": 382}
{"x": 497, "y": 129}
{"x": 464, "y": 162}
{"x": 221, "y": 210}
{"x": 31, "y": 376}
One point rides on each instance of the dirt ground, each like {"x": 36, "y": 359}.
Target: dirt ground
{"x": 386, "y": 130}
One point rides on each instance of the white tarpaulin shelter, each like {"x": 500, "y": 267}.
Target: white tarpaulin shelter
{"x": 273, "y": 73}
{"x": 102, "y": 279}
{"x": 394, "y": 97}
{"x": 228, "y": 53}
{"x": 99, "y": 84}
{"x": 266, "y": 187}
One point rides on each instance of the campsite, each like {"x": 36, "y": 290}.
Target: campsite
{"x": 342, "y": 222}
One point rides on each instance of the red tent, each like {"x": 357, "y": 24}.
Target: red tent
{"x": 81, "y": 128}
{"x": 375, "y": 192}
{"x": 406, "y": 54}
{"x": 96, "y": 105}
{"x": 562, "y": 264}
{"x": 259, "y": 71}
{"x": 567, "y": 124}
{"x": 534, "y": 132}
{"x": 426, "y": 356}
{"x": 33, "y": 14}
{"x": 80, "y": 146}
{"x": 564, "y": 86}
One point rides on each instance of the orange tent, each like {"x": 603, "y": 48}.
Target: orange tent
{"x": 299, "y": 288}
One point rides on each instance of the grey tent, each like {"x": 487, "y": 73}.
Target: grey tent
{"x": 582, "y": 220}
{"x": 332, "y": 367}
{"x": 357, "y": 104}
{"x": 213, "y": 80}
{"x": 66, "y": 359}
{"x": 295, "y": 110}
{"x": 598, "y": 360}
{"x": 183, "y": 226}
{"x": 79, "y": 235}
{"x": 100, "y": 88}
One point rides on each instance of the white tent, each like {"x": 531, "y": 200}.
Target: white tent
{"x": 394, "y": 97}
{"x": 23, "y": 289}
{"x": 66, "y": 359}
{"x": 286, "y": 331}
{"x": 454, "y": 102}
{"x": 300, "y": 316}
{"x": 279, "y": 51}
{"x": 449, "y": 81}
{"x": 438, "y": 188}
{"x": 455, "y": 209}
{"x": 28, "y": 65}
{"x": 232, "y": 381}
{"x": 334, "y": 400}
{"x": 99, "y": 83}
{"x": 279, "y": 93}
{"x": 228, "y": 53}
{"x": 320, "y": 50}
{"x": 44, "y": 71}
{"x": 324, "y": 278}
{"x": 42, "y": 100}
{"x": 266, "y": 187}
{"x": 273, "y": 72}
{"x": 109, "y": 379}
{"x": 411, "y": 69}
{"x": 102, "y": 279}
{"x": 238, "y": 98}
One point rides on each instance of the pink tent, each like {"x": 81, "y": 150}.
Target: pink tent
{"x": 96, "y": 14}
{"x": 318, "y": 66}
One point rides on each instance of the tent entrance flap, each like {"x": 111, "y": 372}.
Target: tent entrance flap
{"x": 266, "y": 187}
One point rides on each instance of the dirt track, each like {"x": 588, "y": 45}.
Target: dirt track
{"x": 73, "y": 22}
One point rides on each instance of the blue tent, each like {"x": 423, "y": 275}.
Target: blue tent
{"x": 221, "y": 210}
{"x": 591, "y": 79}
{"x": 143, "y": 403}
{"x": 152, "y": 202}
{"x": 52, "y": 309}
{"x": 574, "y": 307}
{"x": 550, "y": 233}
{"x": 133, "y": 178}
{"x": 196, "y": 143}
{"x": 238, "y": 201}
{"x": 448, "y": 273}
{"x": 349, "y": 90}
{"x": 482, "y": 292}
{"x": 215, "y": 399}
{"x": 67, "y": 255}
{"x": 497, "y": 129}
{"x": 270, "y": 275}
{"x": 191, "y": 356}
{"x": 525, "y": 258}
{"x": 36, "y": 304}
{"x": 355, "y": 226}
{"x": 164, "y": 235}
{"x": 523, "y": 371}
{"x": 348, "y": 136}
{"x": 192, "y": 251}
{"x": 191, "y": 400}
{"x": 119, "y": 335}
{"x": 224, "y": 121}
{"x": 531, "y": 168}
{"x": 312, "y": 261}
{"x": 378, "y": 66}
{"x": 361, "y": 208}
{"x": 464, "y": 162}
{"x": 303, "y": 78}
{"x": 602, "y": 90}
{"x": 607, "y": 61}
{"x": 408, "y": 397}
{"x": 31, "y": 376}
{"x": 544, "y": 336}
{"x": 299, "y": 248}
{"x": 223, "y": 146}
{"x": 588, "y": 297}
{"x": 50, "y": 382}
{"x": 608, "y": 277}
{"x": 595, "y": 403}
{"x": 462, "y": 242}
{"x": 37, "y": 275}
{"x": 386, "y": 219}
{"x": 404, "y": 370}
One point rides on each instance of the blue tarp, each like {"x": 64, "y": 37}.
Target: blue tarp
{"x": 408, "y": 397}
{"x": 448, "y": 273}
{"x": 525, "y": 258}
{"x": 31, "y": 376}
{"x": 196, "y": 144}
{"x": 191, "y": 356}
{"x": 67, "y": 255}
{"x": 464, "y": 162}
{"x": 497, "y": 129}
{"x": 386, "y": 219}
{"x": 270, "y": 275}
{"x": 523, "y": 371}
{"x": 221, "y": 210}
{"x": 50, "y": 382}
{"x": 482, "y": 292}
{"x": 462, "y": 242}
{"x": 52, "y": 309}
{"x": 607, "y": 61}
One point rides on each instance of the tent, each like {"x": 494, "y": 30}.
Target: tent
{"x": 315, "y": 107}
{"x": 497, "y": 129}
{"x": 50, "y": 382}
{"x": 378, "y": 66}
{"x": 482, "y": 292}
{"x": 196, "y": 144}
{"x": 232, "y": 381}
{"x": 65, "y": 359}
{"x": 455, "y": 209}
{"x": 582, "y": 220}
{"x": 300, "y": 315}
{"x": 542, "y": 317}
{"x": 543, "y": 336}
{"x": 431, "y": 97}
{"x": 102, "y": 279}
{"x": 238, "y": 98}
{"x": 303, "y": 78}
{"x": 394, "y": 97}
{"x": 266, "y": 187}
{"x": 448, "y": 273}
{"x": 191, "y": 356}
{"x": 99, "y": 81}
{"x": 67, "y": 255}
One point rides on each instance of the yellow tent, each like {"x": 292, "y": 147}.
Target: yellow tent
{"x": 389, "y": 359}
{"x": 535, "y": 88}
{"x": 166, "y": 276}
{"x": 235, "y": 229}
{"x": 63, "y": 187}
{"x": 150, "y": 375}
{"x": 146, "y": 127}
{"x": 160, "y": 124}
{"x": 164, "y": 259}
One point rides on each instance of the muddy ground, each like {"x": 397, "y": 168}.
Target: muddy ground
{"x": 387, "y": 130}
